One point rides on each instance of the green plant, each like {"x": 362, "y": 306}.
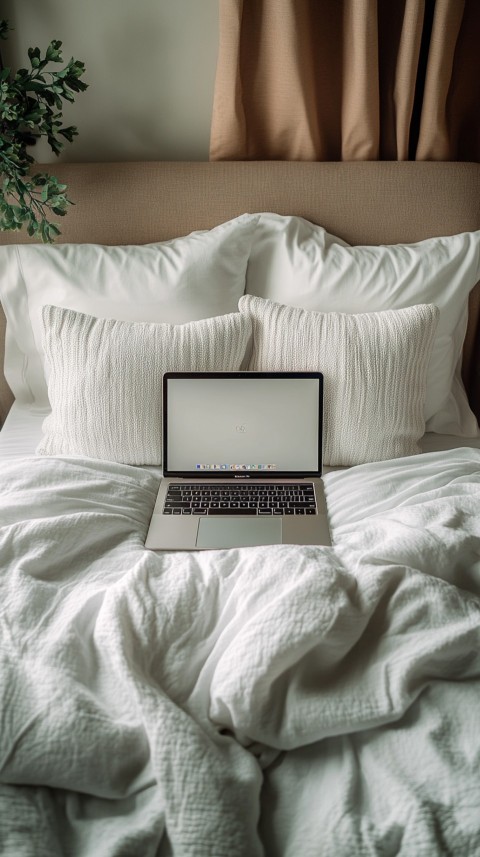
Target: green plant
{"x": 31, "y": 103}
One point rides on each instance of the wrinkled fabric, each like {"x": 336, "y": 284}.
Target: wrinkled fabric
{"x": 272, "y": 700}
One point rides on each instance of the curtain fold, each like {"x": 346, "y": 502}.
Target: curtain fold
{"x": 405, "y": 76}
{"x": 360, "y": 113}
{"x": 347, "y": 80}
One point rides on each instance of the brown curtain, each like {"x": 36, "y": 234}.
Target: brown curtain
{"x": 347, "y": 80}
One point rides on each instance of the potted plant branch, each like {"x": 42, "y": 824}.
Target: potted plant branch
{"x": 31, "y": 103}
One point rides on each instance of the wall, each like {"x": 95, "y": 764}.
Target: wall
{"x": 150, "y": 65}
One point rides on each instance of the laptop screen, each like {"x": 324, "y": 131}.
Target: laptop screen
{"x": 242, "y": 424}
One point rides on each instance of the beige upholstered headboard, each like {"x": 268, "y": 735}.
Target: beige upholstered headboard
{"x": 362, "y": 202}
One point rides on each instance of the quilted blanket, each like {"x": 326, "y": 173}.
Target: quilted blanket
{"x": 280, "y": 700}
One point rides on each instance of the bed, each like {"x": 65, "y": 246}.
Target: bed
{"x": 281, "y": 700}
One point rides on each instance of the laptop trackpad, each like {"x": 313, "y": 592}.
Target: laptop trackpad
{"x": 238, "y": 532}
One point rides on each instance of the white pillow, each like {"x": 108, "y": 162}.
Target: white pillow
{"x": 374, "y": 367}
{"x": 105, "y": 379}
{"x": 298, "y": 263}
{"x": 186, "y": 279}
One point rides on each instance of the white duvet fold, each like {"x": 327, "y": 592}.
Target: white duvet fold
{"x": 155, "y": 703}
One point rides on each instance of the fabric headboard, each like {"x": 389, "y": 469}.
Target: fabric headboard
{"x": 361, "y": 202}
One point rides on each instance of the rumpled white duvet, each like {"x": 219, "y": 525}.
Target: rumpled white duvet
{"x": 293, "y": 701}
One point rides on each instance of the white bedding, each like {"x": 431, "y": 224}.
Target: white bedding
{"x": 282, "y": 700}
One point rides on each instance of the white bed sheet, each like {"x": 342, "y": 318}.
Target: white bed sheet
{"x": 22, "y": 432}
{"x": 333, "y": 689}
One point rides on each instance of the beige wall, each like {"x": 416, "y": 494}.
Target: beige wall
{"x": 150, "y": 66}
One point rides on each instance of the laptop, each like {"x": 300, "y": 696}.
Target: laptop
{"x": 242, "y": 461}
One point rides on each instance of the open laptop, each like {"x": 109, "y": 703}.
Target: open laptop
{"x": 242, "y": 461}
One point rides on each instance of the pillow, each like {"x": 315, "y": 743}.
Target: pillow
{"x": 374, "y": 367}
{"x": 297, "y": 263}
{"x": 105, "y": 379}
{"x": 186, "y": 279}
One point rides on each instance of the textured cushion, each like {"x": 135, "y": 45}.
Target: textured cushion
{"x": 374, "y": 367}
{"x": 185, "y": 279}
{"x": 105, "y": 379}
{"x": 298, "y": 263}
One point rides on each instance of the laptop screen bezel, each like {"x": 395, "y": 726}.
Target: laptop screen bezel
{"x": 268, "y": 475}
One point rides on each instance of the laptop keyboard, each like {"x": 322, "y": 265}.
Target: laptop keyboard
{"x": 268, "y": 499}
